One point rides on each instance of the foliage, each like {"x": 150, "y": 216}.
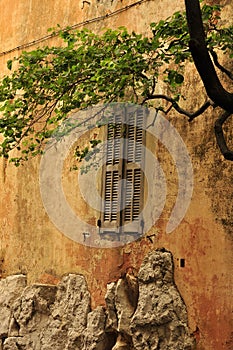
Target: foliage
{"x": 48, "y": 83}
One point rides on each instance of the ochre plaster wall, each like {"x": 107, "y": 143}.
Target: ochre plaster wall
{"x": 31, "y": 244}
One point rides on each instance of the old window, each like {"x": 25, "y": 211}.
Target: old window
{"x": 123, "y": 177}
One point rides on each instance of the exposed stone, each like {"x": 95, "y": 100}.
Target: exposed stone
{"x": 160, "y": 320}
{"x": 46, "y": 317}
{"x": 31, "y": 310}
{"x": 72, "y": 300}
{"x": 96, "y": 338}
{"x": 10, "y": 289}
{"x": 123, "y": 342}
{"x": 126, "y": 302}
{"x": 141, "y": 313}
{"x": 121, "y": 301}
{"x": 19, "y": 343}
{"x": 68, "y": 319}
{"x": 111, "y": 322}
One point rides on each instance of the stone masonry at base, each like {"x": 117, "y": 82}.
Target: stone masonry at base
{"x": 142, "y": 312}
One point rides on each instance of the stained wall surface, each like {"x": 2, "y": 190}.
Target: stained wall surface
{"x": 32, "y": 245}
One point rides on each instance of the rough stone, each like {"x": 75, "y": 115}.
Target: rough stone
{"x": 16, "y": 343}
{"x": 142, "y": 313}
{"x": 96, "y": 338}
{"x": 160, "y": 320}
{"x": 121, "y": 301}
{"x": 126, "y": 302}
{"x": 10, "y": 289}
{"x": 111, "y": 322}
{"x": 122, "y": 343}
{"x": 68, "y": 319}
{"x": 31, "y": 310}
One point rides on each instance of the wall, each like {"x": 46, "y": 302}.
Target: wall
{"x": 31, "y": 244}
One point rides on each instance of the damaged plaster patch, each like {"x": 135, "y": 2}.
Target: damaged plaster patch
{"x": 143, "y": 312}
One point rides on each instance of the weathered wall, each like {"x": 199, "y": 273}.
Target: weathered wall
{"x": 30, "y": 244}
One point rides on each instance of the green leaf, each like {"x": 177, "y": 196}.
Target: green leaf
{"x": 179, "y": 78}
{"x": 9, "y": 64}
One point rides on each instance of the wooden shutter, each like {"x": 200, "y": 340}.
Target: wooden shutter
{"x": 111, "y": 218}
{"x": 124, "y": 155}
{"x": 133, "y": 194}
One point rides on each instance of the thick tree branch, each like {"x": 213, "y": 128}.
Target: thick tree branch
{"x": 202, "y": 60}
{"x": 226, "y": 152}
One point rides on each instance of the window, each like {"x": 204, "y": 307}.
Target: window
{"x": 123, "y": 178}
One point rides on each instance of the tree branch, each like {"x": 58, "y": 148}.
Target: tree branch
{"x": 175, "y": 105}
{"x": 217, "y": 64}
{"x": 226, "y": 152}
{"x": 202, "y": 60}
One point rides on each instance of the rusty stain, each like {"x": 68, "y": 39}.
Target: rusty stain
{"x": 47, "y": 278}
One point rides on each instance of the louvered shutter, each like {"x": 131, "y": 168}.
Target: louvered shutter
{"x": 111, "y": 218}
{"x": 133, "y": 194}
{"x": 124, "y": 155}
